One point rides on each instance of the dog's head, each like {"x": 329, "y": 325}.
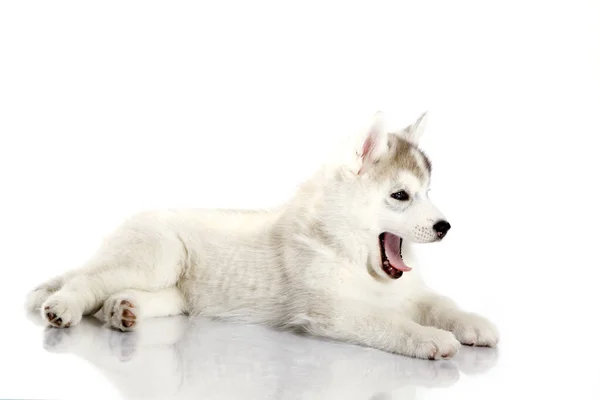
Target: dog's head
{"x": 395, "y": 174}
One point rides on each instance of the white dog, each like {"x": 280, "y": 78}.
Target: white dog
{"x": 333, "y": 261}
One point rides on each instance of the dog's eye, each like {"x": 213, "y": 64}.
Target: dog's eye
{"x": 401, "y": 195}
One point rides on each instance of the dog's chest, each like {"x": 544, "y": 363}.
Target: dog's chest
{"x": 387, "y": 294}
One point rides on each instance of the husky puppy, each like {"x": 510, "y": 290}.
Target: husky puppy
{"x": 333, "y": 261}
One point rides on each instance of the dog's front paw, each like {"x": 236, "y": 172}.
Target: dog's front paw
{"x": 474, "y": 330}
{"x": 435, "y": 344}
{"x": 61, "y": 312}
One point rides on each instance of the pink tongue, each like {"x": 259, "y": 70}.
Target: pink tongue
{"x": 391, "y": 244}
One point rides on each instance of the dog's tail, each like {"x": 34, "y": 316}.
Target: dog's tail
{"x": 37, "y": 296}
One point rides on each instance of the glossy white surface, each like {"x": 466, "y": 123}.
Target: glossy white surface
{"x": 180, "y": 358}
{"x": 183, "y": 358}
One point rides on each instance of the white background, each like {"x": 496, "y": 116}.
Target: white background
{"x": 110, "y": 108}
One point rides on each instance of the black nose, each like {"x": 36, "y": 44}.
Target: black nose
{"x": 441, "y": 228}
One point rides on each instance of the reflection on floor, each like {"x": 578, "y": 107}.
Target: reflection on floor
{"x": 192, "y": 358}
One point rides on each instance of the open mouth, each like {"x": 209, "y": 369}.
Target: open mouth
{"x": 392, "y": 263}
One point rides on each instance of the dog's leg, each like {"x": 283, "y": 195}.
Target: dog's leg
{"x": 469, "y": 328}
{"x": 125, "y": 309}
{"x": 356, "y": 323}
{"x": 136, "y": 257}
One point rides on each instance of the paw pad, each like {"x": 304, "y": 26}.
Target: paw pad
{"x": 52, "y": 318}
{"x": 122, "y": 315}
{"x": 60, "y": 313}
{"x": 126, "y": 303}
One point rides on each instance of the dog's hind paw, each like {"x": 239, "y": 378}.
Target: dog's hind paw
{"x": 61, "y": 312}
{"x": 120, "y": 312}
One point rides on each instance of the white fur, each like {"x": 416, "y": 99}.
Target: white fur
{"x": 312, "y": 264}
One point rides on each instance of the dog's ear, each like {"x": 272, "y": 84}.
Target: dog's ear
{"x": 414, "y": 131}
{"x": 375, "y": 144}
